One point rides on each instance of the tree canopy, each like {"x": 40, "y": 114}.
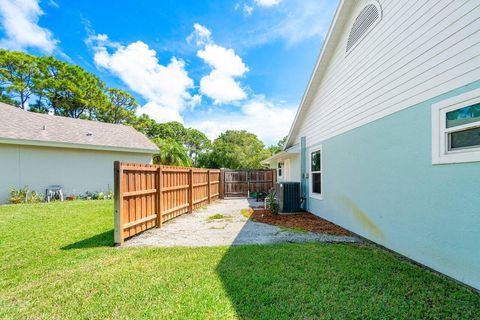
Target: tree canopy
{"x": 171, "y": 153}
{"x": 236, "y": 149}
{"x": 48, "y": 85}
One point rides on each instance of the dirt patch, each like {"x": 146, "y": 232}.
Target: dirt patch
{"x": 303, "y": 221}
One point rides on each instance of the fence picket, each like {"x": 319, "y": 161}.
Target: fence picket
{"x": 148, "y": 195}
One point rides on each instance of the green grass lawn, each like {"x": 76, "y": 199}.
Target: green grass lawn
{"x": 57, "y": 263}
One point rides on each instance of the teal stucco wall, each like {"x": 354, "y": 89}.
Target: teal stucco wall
{"x": 379, "y": 182}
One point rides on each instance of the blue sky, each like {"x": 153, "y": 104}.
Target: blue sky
{"x": 213, "y": 65}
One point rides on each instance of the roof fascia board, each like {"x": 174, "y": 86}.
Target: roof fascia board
{"x": 40, "y": 143}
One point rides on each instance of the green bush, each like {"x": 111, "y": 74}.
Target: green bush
{"x": 24, "y": 195}
{"x": 98, "y": 195}
{"x": 35, "y": 197}
{"x": 272, "y": 202}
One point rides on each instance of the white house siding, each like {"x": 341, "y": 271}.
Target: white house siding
{"x": 294, "y": 170}
{"x": 76, "y": 170}
{"x": 418, "y": 50}
{"x": 291, "y": 168}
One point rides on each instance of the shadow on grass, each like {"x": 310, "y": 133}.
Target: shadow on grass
{"x": 336, "y": 281}
{"x": 104, "y": 239}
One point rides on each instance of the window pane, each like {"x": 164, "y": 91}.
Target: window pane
{"x": 465, "y": 139}
{"x": 463, "y": 116}
{"x": 316, "y": 182}
{"x": 316, "y": 160}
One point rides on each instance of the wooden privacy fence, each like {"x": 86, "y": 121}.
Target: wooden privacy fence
{"x": 148, "y": 195}
{"x": 241, "y": 183}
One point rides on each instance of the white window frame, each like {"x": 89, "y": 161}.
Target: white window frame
{"x": 440, "y": 133}
{"x": 315, "y": 195}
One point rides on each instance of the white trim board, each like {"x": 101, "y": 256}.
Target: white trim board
{"x": 440, "y": 152}
{"x": 310, "y": 187}
{"x": 51, "y": 144}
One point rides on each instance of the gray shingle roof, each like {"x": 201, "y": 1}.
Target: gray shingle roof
{"x": 17, "y": 124}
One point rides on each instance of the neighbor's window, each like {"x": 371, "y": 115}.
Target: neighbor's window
{"x": 280, "y": 169}
{"x": 456, "y": 129}
{"x": 316, "y": 173}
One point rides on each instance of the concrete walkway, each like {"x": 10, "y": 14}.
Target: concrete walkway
{"x": 197, "y": 230}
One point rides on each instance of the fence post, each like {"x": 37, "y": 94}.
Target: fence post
{"x": 190, "y": 200}
{"x": 159, "y": 197}
{"x": 118, "y": 202}
{"x": 248, "y": 184}
{"x": 208, "y": 185}
{"x": 221, "y": 185}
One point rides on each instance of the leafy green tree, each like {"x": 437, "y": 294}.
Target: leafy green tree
{"x": 38, "y": 107}
{"x": 276, "y": 148}
{"x": 145, "y": 125}
{"x": 172, "y": 130}
{"x": 18, "y": 73}
{"x": 194, "y": 141}
{"x": 171, "y": 153}
{"x": 5, "y": 98}
{"x": 120, "y": 108}
{"x": 197, "y": 144}
{"x": 235, "y": 150}
{"x": 69, "y": 90}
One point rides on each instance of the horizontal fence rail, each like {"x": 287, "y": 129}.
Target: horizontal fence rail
{"x": 241, "y": 183}
{"x": 147, "y": 195}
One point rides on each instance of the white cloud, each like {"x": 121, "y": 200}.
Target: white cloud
{"x": 220, "y": 84}
{"x": 52, "y": 3}
{"x": 293, "y": 21}
{"x": 195, "y": 101}
{"x": 200, "y": 35}
{"x": 165, "y": 87}
{"x": 248, "y": 10}
{"x": 160, "y": 113}
{"x": 254, "y": 117}
{"x": 19, "y": 19}
{"x": 267, "y": 3}
{"x": 221, "y": 87}
{"x": 223, "y": 60}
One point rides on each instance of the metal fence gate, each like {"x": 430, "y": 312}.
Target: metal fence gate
{"x": 241, "y": 183}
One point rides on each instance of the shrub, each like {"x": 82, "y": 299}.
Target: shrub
{"x": 24, "y": 195}
{"x": 272, "y": 202}
{"x": 35, "y": 197}
{"x": 99, "y": 195}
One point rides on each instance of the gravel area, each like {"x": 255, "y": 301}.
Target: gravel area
{"x": 229, "y": 227}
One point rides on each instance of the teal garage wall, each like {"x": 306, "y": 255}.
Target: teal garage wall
{"x": 379, "y": 182}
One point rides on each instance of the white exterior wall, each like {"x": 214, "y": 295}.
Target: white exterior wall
{"x": 291, "y": 168}
{"x": 418, "y": 50}
{"x": 76, "y": 170}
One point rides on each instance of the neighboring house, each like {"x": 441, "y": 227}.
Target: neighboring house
{"x": 386, "y": 141}
{"x": 40, "y": 150}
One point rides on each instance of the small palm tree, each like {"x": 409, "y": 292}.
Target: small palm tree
{"x": 171, "y": 153}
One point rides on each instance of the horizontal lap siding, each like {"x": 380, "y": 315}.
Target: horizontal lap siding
{"x": 418, "y": 50}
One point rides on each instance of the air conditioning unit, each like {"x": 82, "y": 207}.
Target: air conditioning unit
{"x": 288, "y": 195}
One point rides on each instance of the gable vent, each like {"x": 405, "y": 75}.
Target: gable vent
{"x": 363, "y": 22}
